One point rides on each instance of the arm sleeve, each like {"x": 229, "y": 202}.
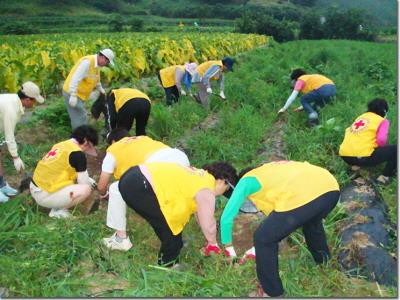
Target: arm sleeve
{"x": 108, "y": 165}
{"x": 245, "y": 187}
{"x": 112, "y": 113}
{"x": 299, "y": 85}
{"x": 79, "y": 74}
{"x": 211, "y": 72}
{"x": 77, "y": 160}
{"x": 291, "y": 98}
{"x": 9, "y": 124}
{"x": 221, "y": 80}
{"x": 382, "y": 133}
{"x": 178, "y": 78}
{"x": 205, "y": 201}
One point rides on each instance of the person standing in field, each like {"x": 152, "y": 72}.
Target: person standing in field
{"x": 364, "y": 143}
{"x": 60, "y": 180}
{"x": 292, "y": 195}
{"x": 83, "y": 79}
{"x": 173, "y": 77}
{"x": 11, "y": 109}
{"x": 317, "y": 90}
{"x": 207, "y": 71}
{"x": 167, "y": 194}
{"x": 123, "y": 153}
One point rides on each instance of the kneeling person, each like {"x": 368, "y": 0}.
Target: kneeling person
{"x": 60, "y": 180}
{"x": 124, "y": 153}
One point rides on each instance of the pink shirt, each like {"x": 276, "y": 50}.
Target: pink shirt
{"x": 382, "y": 133}
{"x": 299, "y": 85}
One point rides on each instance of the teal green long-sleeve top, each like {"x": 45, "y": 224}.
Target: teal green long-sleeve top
{"x": 245, "y": 187}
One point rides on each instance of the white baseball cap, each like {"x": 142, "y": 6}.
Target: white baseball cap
{"x": 109, "y": 54}
{"x": 32, "y": 91}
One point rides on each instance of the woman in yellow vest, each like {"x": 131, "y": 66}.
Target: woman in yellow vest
{"x": 173, "y": 77}
{"x": 207, "y": 71}
{"x": 126, "y": 105}
{"x": 167, "y": 194}
{"x": 365, "y": 141}
{"x": 82, "y": 80}
{"x": 292, "y": 195}
{"x": 317, "y": 91}
{"x": 123, "y": 153}
{"x": 60, "y": 180}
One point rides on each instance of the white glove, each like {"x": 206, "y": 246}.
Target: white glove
{"x": 101, "y": 90}
{"x": 73, "y": 101}
{"x": 221, "y": 93}
{"x": 94, "y": 95}
{"x": 92, "y": 183}
{"x": 281, "y": 111}
{"x": 230, "y": 252}
{"x": 209, "y": 90}
{"x": 183, "y": 93}
{"x": 19, "y": 164}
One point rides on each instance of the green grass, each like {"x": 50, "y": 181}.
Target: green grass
{"x": 42, "y": 257}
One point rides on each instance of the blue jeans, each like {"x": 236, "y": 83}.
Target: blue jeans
{"x": 317, "y": 99}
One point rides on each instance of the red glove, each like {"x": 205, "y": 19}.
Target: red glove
{"x": 230, "y": 252}
{"x": 211, "y": 249}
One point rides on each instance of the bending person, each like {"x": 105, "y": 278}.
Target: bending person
{"x": 364, "y": 143}
{"x": 123, "y": 153}
{"x": 317, "y": 90}
{"x": 167, "y": 194}
{"x": 60, "y": 180}
{"x": 292, "y": 195}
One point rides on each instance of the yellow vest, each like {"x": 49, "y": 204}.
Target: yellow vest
{"x": 313, "y": 82}
{"x": 287, "y": 185}
{"x": 176, "y": 187}
{"x": 360, "y": 137}
{"x": 123, "y": 95}
{"x": 132, "y": 151}
{"x": 167, "y": 75}
{"x": 87, "y": 84}
{"x": 53, "y": 171}
{"x": 202, "y": 68}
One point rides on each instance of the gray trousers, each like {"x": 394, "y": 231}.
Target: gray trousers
{"x": 77, "y": 114}
{"x": 202, "y": 94}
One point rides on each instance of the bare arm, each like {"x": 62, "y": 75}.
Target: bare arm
{"x": 205, "y": 200}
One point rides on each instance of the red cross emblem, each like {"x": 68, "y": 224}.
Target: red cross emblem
{"x": 51, "y": 154}
{"x": 359, "y": 125}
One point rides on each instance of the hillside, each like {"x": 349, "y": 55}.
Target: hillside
{"x": 383, "y": 12}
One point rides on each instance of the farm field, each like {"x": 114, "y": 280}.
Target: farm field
{"x": 43, "y": 257}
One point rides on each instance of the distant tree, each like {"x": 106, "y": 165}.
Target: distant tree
{"x": 18, "y": 27}
{"x": 311, "y": 27}
{"x": 304, "y": 2}
{"x": 116, "y": 23}
{"x": 136, "y": 24}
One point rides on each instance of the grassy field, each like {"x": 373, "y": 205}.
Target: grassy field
{"x": 42, "y": 257}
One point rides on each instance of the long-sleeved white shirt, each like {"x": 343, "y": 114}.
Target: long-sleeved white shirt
{"x": 81, "y": 72}
{"x": 11, "y": 110}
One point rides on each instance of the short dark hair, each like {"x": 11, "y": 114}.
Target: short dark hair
{"x": 85, "y": 132}
{"x": 378, "y": 106}
{"x": 223, "y": 170}
{"x": 245, "y": 170}
{"x": 117, "y": 134}
{"x": 297, "y": 73}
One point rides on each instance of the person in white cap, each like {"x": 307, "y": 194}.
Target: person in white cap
{"x": 60, "y": 180}
{"x": 83, "y": 83}
{"x": 173, "y": 77}
{"x": 11, "y": 109}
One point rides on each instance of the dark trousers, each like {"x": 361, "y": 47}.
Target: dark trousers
{"x": 317, "y": 99}
{"x": 279, "y": 225}
{"x": 380, "y": 155}
{"x": 138, "y": 110}
{"x": 139, "y": 195}
{"x": 171, "y": 93}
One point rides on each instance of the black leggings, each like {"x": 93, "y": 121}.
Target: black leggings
{"x": 139, "y": 195}
{"x": 171, "y": 93}
{"x": 382, "y": 154}
{"x": 279, "y": 225}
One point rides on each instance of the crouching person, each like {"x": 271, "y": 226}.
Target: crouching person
{"x": 125, "y": 152}
{"x": 60, "y": 180}
{"x": 167, "y": 194}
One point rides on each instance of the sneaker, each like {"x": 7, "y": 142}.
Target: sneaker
{"x": 312, "y": 122}
{"x": 114, "y": 242}
{"x": 8, "y": 190}
{"x": 383, "y": 180}
{"x": 3, "y": 198}
{"x": 59, "y": 213}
